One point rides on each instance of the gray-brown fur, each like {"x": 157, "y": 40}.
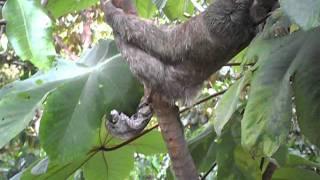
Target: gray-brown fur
{"x": 174, "y": 61}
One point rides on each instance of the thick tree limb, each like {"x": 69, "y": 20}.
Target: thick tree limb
{"x": 172, "y": 133}
{"x": 271, "y": 168}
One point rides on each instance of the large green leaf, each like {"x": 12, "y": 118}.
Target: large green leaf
{"x": 150, "y": 144}
{"x": 203, "y": 149}
{"x": 58, "y": 8}
{"x": 269, "y": 105}
{"x": 294, "y": 174}
{"x": 233, "y": 161}
{"x": 62, "y": 7}
{"x": 101, "y": 165}
{"x": 114, "y": 163}
{"x": 73, "y": 112}
{"x": 109, "y": 165}
{"x": 47, "y": 170}
{"x": 229, "y": 103}
{"x": 306, "y": 86}
{"x": 19, "y": 100}
{"x": 285, "y": 158}
{"x": 267, "y": 117}
{"x": 305, "y": 13}
{"x": 117, "y": 163}
{"x": 29, "y": 32}
{"x": 176, "y": 9}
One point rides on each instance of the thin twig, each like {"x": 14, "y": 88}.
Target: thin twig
{"x": 208, "y": 172}
{"x": 203, "y": 100}
{"x": 239, "y": 64}
{"x": 125, "y": 142}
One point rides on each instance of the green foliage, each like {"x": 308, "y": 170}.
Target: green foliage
{"x": 294, "y": 174}
{"x": 305, "y": 13}
{"x": 102, "y": 87}
{"x": 109, "y": 165}
{"x": 233, "y": 161}
{"x": 63, "y": 134}
{"x": 147, "y": 146}
{"x": 269, "y": 106}
{"x": 306, "y": 86}
{"x": 229, "y": 103}
{"x": 20, "y": 100}
{"x": 285, "y": 158}
{"x": 255, "y": 118}
{"x": 145, "y": 8}
{"x": 203, "y": 149}
{"x": 45, "y": 169}
{"x": 29, "y": 32}
{"x": 150, "y": 167}
{"x": 62, "y": 7}
{"x": 176, "y": 9}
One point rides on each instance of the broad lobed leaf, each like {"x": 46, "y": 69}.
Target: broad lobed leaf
{"x": 73, "y": 112}
{"x": 284, "y": 64}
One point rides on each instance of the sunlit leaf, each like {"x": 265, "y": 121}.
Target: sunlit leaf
{"x": 20, "y": 100}
{"x": 145, "y": 8}
{"x": 177, "y": 9}
{"x": 229, "y": 103}
{"x": 62, "y": 7}
{"x": 29, "y": 32}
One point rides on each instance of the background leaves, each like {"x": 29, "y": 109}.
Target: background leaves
{"x": 29, "y": 31}
{"x": 305, "y": 13}
{"x": 276, "y": 101}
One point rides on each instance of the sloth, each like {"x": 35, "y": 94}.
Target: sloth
{"x": 174, "y": 61}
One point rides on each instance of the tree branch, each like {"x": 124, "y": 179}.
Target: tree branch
{"x": 3, "y": 22}
{"x": 208, "y": 172}
{"x": 239, "y": 64}
{"x": 271, "y": 168}
{"x": 172, "y": 133}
